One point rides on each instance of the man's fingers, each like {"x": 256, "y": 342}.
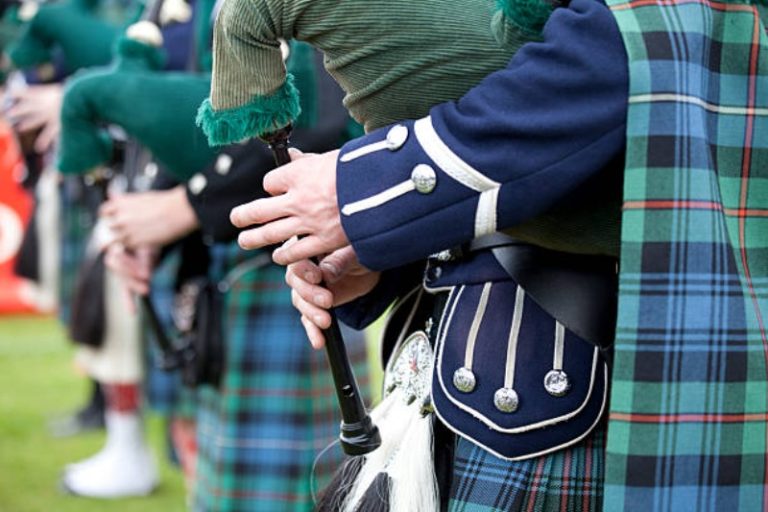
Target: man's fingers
{"x": 277, "y": 181}
{"x": 318, "y": 316}
{"x": 46, "y": 138}
{"x": 270, "y": 234}
{"x": 304, "y": 249}
{"x": 314, "y": 334}
{"x": 338, "y": 263}
{"x": 297, "y": 154}
{"x": 307, "y": 271}
{"x": 259, "y": 211}
{"x": 108, "y": 208}
{"x": 311, "y": 293}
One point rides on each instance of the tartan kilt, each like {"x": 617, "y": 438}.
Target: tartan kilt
{"x": 164, "y": 392}
{"x": 260, "y": 434}
{"x": 76, "y": 223}
{"x": 569, "y": 480}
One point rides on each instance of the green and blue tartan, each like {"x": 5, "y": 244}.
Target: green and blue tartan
{"x": 569, "y": 480}
{"x": 163, "y": 390}
{"x": 689, "y": 405}
{"x": 260, "y": 434}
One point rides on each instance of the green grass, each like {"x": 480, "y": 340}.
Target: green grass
{"x": 37, "y": 381}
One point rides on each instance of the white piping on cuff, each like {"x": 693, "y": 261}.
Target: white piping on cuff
{"x": 485, "y": 216}
{"x": 378, "y": 199}
{"x": 451, "y": 164}
{"x": 448, "y": 161}
{"x": 364, "y": 150}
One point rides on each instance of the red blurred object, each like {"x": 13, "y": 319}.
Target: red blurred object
{"x": 15, "y": 209}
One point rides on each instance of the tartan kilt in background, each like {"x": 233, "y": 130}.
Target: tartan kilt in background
{"x": 688, "y": 421}
{"x": 76, "y": 221}
{"x": 163, "y": 390}
{"x": 569, "y": 480}
{"x": 259, "y": 435}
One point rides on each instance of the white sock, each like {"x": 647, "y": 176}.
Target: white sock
{"x": 124, "y": 467}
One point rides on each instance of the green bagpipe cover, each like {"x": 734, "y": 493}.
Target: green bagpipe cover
{"x": 155, "y": 108}
{"x": 380, "y": 52}
{"x": 75, "y": 26}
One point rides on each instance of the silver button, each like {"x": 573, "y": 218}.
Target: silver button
{"x": 556, "y": 382}
{"x": 223, "y": 163}
{"x": 424, "y": 178}
{"x": 151, "y": 169}
{"x": 464, "y": 380}
{"x": 505, "y": 400}
{"x": 27, "y": 10}
{"x": 197, "y": 183}
{"x": 396, "y": 137}
{"x": 443, "y": 256}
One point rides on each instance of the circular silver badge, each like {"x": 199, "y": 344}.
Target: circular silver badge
{"x": 410, "y": 368}
{"x": 556, "y": 382}
{"x": 424, "y": 178}
{"x": 505, "y": 399}
{"x": 464, "y": 380}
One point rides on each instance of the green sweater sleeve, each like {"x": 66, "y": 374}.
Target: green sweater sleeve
{"x": 379, "y": 51}
{"x": 157, "y": 109}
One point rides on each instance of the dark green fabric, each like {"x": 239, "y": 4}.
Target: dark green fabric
{"x": 157, "y": 109}
{"x": 302, "y": 66}
{"x": 379, "y": 51}
{"x": 527, "y": 15}
{"x": 10, "y": 26}
{"x": 204, "y": 35}
{"x": 84, "y": 38}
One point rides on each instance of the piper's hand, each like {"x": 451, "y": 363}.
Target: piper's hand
{"x": 133, "y": 267}
{"x": 37, "y": 107}
{"x": 345, "y": 280}
{"x": 304, "y": 203}
{"x": 154, "y": 218}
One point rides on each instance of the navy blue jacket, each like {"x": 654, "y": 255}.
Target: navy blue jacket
{"x": 515, "y": 145}
{"x": 527, "y": 136}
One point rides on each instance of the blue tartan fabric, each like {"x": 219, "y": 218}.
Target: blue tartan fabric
{"x": 163, "y": 390}
{"x": 259, "y": 435}
{"x": 569, "y": 480}
{"x": 689, "y": 407}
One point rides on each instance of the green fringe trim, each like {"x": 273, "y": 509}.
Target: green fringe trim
{"x": 136, "y": 51}
{"x": 263, "y": 114}
{"x": 528, "y": 15}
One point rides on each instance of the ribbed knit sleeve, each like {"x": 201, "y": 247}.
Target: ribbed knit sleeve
{"x": 380, "y": 52}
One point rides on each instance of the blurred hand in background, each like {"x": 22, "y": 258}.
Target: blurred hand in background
{"x": 37, "y": 108}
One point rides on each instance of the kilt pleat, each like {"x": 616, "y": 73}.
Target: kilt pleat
{"x": 568, "y": 480}
{"x": 261, "y": 432}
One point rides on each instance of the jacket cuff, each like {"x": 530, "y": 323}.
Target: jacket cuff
{"x": 403, "y": 195}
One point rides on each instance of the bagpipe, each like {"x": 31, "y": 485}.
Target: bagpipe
{"x": 380, "y": 53}
{"x": 155, "y": 112}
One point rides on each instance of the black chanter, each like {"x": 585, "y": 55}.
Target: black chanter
{"x": 358, "y": 434}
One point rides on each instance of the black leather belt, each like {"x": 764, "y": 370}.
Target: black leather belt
{"x": 579, "y": 290}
